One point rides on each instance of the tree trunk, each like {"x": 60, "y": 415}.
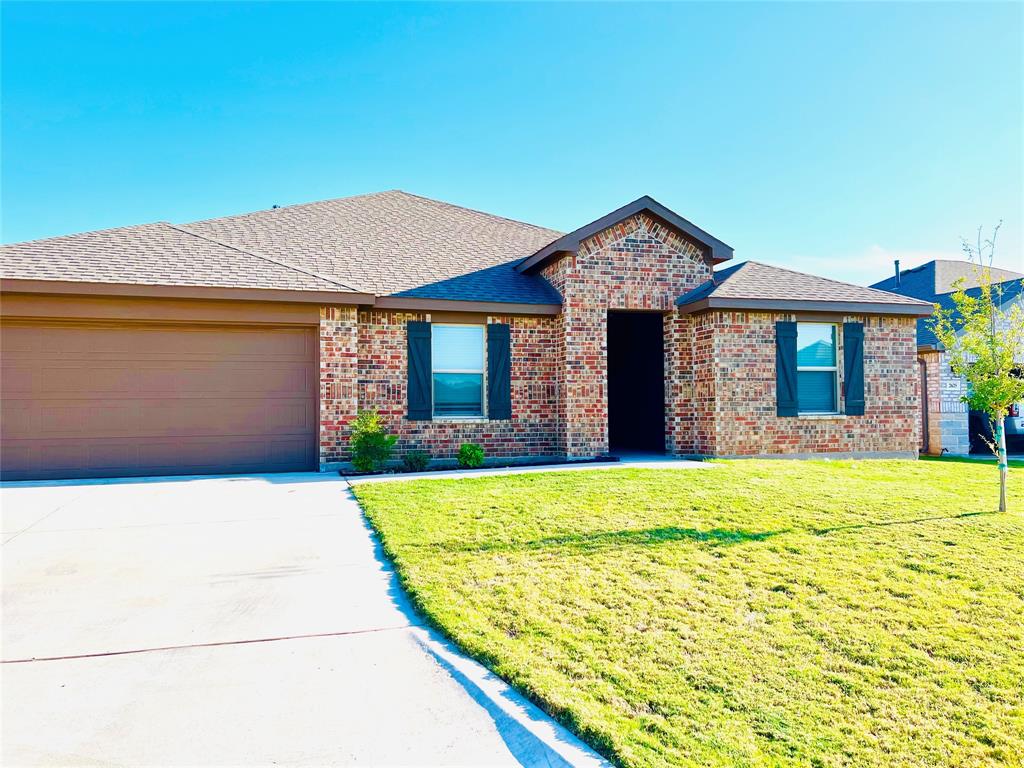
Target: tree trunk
{"x": 1001, "y": 457}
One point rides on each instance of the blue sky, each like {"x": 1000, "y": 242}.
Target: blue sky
{"x": 823, "y": 136}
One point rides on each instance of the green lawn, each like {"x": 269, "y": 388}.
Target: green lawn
{"x": 757, "y": 613}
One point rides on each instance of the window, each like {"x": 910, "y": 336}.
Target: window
{"x": 457, "y": 355}
{"x": 817, "y": 376}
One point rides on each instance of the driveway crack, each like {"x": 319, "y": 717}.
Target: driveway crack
{"x": 217, "y": 644}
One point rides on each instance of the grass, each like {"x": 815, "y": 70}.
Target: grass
{"x": 757, "y": 613}
{"x": 981, "y": 457}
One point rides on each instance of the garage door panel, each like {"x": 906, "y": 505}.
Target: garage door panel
{"x": 106, "y": 401}
{"x": 240, "y": 417}
{"x": 207, "y": 455}
{"x": 282, "y": 380}
{"x": 154, "y": 418}
{"x": 100, "y": 458}
{"x": 16, "y": 381}
{"x": 84, "y": 418}
{"x": 173, "y": 342}
{"x": 86, "y": 379}
{"x": 61, "y": 456}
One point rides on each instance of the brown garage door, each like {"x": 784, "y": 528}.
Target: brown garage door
{"x": 94, "y": 400}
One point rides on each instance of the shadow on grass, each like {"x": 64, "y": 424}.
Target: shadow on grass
{"x": 716, "y": 537}
{"x": 589, "y": 542}
{"x": 886, "y": 523}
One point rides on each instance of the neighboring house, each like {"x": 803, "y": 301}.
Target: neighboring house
{"x": 947, "y": 427}
{"x": 249, "y": 343}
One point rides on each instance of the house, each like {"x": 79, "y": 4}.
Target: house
{"x": 947, "y": 426}
{"x": 249, "y": 343}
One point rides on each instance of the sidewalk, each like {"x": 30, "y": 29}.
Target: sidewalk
{"x": 631, "y": 461}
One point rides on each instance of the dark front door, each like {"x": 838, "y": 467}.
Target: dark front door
{"x": 636, "y": 381}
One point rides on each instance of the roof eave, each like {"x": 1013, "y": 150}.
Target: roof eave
{"x": 145, "y": 290}
{"x": 456, "y": 305}
{"x": 802, "y": 305}
{"x": 570, "y": 243}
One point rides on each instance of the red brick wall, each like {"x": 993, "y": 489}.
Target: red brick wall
{"x": 720, "y": 368}
{"x": 679, "y": 422}
{"x": 337, "y": 380}
{"x": 638, "y": 264}
{"x": 532, "y": 431}
{"x": 740, "y": 401}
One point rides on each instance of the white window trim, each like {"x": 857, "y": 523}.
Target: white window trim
{"x": 482, "y": 416}
{"x": 834, "y": 369}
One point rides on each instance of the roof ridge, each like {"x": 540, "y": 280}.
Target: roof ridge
{"x": 472, "y": 210}
{"x": 306, "y": 204}
{"x": 83, "y": 232}
{"x": 232, "y": 246}
{"x": 831, "y": 280}
{"x": 329, "y": 200}
{"x": 1000, "y": 283}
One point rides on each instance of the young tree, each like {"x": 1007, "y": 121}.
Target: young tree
{"x": 983, "y": 334}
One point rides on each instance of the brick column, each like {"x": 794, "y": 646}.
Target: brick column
{"x": 585, "y": 383}
{"x": 338, "y": 381}
{"x": 679, "y": 420}
{"x": 704, "y": 362}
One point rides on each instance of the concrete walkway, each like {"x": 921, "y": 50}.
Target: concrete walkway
{"x": 636, "y": 461}
{"x": 232, "y": 621}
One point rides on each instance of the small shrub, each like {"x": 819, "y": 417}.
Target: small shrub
{"x": 471, "y": 456}
{"x": 370, "y": 443}
{"x": 415, "y": 461}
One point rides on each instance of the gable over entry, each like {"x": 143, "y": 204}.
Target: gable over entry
{"x": 714, "y": 248}
{"x": 639, "y": 258}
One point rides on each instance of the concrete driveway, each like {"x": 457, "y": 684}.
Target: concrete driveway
{"x": 232, "y": 621}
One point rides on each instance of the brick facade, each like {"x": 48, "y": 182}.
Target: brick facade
{"x": 381, "y": 378}
{"x": 638, "y": 264}
{"x": 733, "y": 411}
{"x": 338, "y": 367}
{"x": 947, "y": 413}
{"x": 948, "y": 417}
{"x": 719, "y": 366}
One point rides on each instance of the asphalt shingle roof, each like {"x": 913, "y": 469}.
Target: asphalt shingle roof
{"x": 501, "y": 283}
{"x": 1012, "y": 290}
{"x": 937, "y": 277}
{"x": 153, "y": 254}
{"x": 933, "y": 282}
{"x": 395, "y": 243}
{"x": 756, "y": 281}
{"x": 386, "y": 244}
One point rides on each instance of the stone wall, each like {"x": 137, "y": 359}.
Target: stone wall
{"x": 947, "y": 413}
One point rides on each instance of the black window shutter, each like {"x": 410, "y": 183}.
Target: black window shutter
{"x": 853, "y": 368}
{"x": 499, "y": 372}
{"x": 785, "y": 369}
{"x": 418, "y": 338}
